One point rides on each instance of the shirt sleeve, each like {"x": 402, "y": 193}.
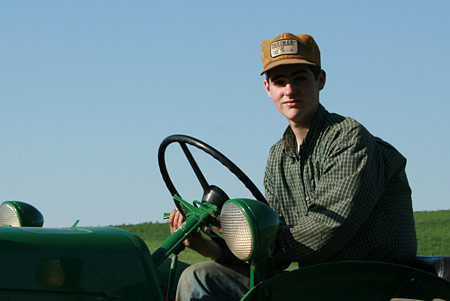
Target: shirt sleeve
{"x": 350, "y": 184}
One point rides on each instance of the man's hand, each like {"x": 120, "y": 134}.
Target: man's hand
{"x": 195, "y": 241}
{"x": 175, "y": 221}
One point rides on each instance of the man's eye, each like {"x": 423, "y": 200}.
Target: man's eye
{"x": 299, "y": 79}
{"x": 280, "y": 82}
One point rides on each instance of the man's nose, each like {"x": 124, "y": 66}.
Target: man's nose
{"x": 288, "y": 89}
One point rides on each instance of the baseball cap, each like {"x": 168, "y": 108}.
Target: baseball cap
{"x": 287, "y": 49}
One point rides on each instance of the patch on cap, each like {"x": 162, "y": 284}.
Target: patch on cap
{"x": 281, "y": 47}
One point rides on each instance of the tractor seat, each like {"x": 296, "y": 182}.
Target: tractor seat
{"x": 437, "y": 265}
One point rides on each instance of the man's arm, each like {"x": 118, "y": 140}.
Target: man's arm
{"x": 350, "y": 185}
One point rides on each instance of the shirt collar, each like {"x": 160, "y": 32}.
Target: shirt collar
{"x": 290, "y": 143}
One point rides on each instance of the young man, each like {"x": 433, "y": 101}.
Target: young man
{"x": 340, "y": 193}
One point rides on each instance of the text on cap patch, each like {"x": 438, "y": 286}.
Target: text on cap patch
{"x": 283, "y": 47}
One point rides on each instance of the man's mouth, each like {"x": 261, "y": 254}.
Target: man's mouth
{"x": 290, "y": 103}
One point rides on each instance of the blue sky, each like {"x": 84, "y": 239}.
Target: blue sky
{"x": 89, "y": 89}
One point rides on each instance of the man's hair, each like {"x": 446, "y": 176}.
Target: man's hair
{"x": 314, "y": 69}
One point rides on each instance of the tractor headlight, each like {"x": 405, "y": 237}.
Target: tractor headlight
{"x": 249, "y": 227}
{"x": 20, "y": 214}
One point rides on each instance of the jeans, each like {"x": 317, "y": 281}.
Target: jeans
{"x": 213, "y": 281}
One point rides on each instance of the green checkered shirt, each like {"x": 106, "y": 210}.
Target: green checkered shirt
{"x": 344, "y": 196}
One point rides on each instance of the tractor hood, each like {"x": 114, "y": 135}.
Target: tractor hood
{"x": 98, "y": 263}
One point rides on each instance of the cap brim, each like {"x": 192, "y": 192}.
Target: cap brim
{"x": 286, "y": 62}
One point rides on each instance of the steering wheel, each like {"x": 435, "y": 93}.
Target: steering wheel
{"x": 211, "y": 193}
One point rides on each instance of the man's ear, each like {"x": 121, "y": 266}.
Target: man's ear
{"x": 267, "y": 88}
{"x": 322, "y": 79}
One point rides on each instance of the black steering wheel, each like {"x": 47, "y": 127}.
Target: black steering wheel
{"x": 211, "y": 193}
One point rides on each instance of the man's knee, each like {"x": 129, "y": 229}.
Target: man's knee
{"x": 198, "y": 272}
{"x": 212, "y": 280}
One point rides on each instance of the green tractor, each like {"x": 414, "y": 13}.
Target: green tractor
{"x": 101, "y": 263}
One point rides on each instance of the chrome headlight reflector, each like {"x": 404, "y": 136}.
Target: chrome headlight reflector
{"x": 8, "y": 215}
{"x": 237, "y": 231}
{"x": 249, "y": 227}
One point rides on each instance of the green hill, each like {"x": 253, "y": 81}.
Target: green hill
{"x": 433, "y": 234}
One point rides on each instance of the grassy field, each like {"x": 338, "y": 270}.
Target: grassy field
{"x": 433, "y": 235}
{"x": 433, "y": 232}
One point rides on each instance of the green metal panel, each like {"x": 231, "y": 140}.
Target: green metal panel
{"x": 80, "y": 263}
{"x": 352, "y": 281}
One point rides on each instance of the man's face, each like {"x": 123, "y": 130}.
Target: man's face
{"x": 295, "y": 92}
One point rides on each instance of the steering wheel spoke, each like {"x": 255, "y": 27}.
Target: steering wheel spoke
{"x": 201, "y": 178}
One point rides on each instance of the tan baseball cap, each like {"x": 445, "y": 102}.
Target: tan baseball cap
{"x": 287, "y": 49}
